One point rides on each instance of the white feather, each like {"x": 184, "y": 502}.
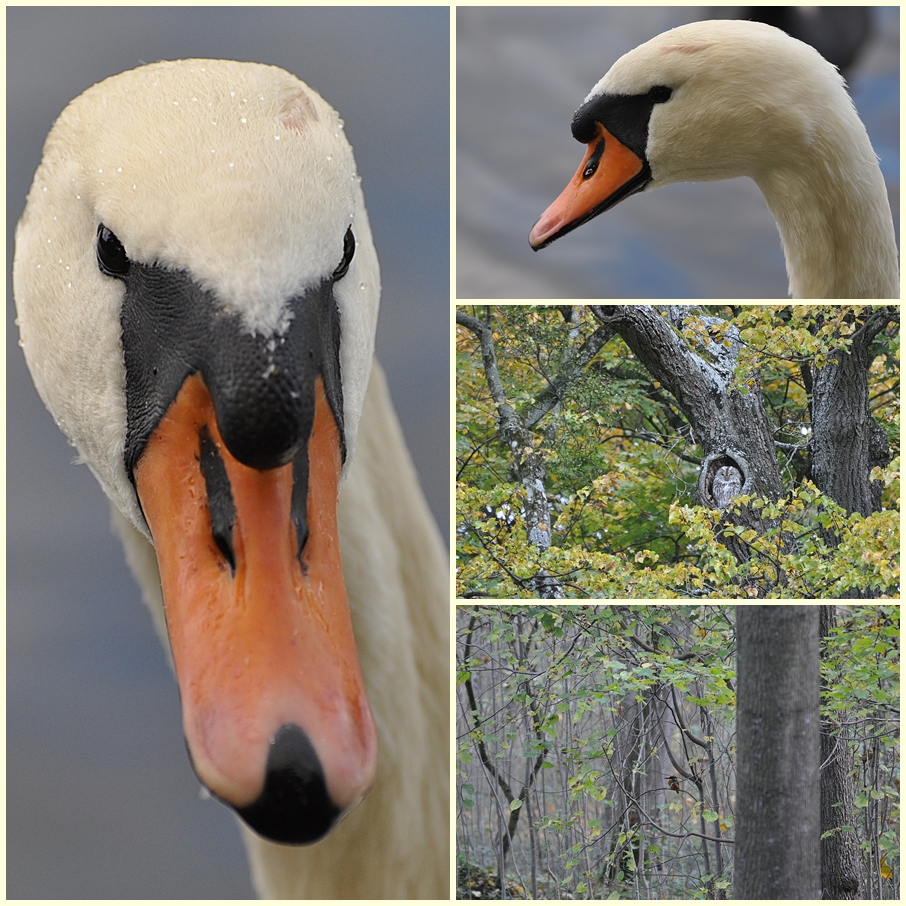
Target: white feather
{"x": 748, "y": 100}
{"x": 206, "y": 192}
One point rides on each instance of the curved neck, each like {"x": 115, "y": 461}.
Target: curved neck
{"x": 832, "y": 210}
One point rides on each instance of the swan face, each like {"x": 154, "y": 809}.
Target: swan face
{"x": 238, "y": 175}
{"x": 705, "y": 101}
{"x": 197, "y": 294}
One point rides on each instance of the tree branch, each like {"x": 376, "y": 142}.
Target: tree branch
{"x": 509, "y": 421}
{"x": 556, "y": 389}
{"x": 530, "y": 465}
{"x": 692, "y": 382}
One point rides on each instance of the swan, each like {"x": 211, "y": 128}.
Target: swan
{"x": 197, "y": 294}
{"x": 720, "y": 99}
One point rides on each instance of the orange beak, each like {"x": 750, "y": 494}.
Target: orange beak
{"x": 260, "y": 631}
{"x": 608, "y": 173}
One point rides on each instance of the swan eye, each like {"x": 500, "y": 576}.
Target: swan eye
{"x": 112, "y": 259}
{"x": 597, "y": 153}
{"x": 660, "y": 93}
{"x": 348, "y": 252}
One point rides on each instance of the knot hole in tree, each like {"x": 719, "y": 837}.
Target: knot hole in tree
{"x": 722, "y": 477}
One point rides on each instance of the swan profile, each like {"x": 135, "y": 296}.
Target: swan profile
{"x": 197, "y": 294}
{"x": 720, "y": 99}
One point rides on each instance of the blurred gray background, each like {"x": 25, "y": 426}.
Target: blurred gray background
{"x": 520, "y": 75}
{"x": 102, "y": 802}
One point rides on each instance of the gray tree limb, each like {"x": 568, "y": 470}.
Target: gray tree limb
{"x": 529, "y": 464}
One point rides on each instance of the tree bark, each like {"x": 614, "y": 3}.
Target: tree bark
{"x": 731, "y": 426}
{"x": 846, "y": 441}
{"x": 529, "y": 464}
{"x": 721, "y": 418}
{"x": 693, "y": 356}
{"x": 841, "y": 871}
{"x": 778, "y": 802}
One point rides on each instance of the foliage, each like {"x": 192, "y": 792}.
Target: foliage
{"x": 621, "y": 463}
{"x": 617, "y": 704}
{"x": 861, "y": 664}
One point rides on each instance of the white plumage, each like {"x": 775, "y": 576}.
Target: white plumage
{"x": 239, "y": 176}
{"x": 722, "y": 99}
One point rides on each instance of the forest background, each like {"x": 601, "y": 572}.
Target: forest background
{"x": 597, "y": 751}
{"x": 591, "y": 441}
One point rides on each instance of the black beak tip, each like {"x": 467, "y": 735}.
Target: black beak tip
{"x": 294, "y": 807}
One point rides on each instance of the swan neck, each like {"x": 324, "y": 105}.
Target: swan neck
{"x": 835, "y": 224}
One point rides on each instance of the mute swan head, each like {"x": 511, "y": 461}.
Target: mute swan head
{"x": 722, "y": 99}
{"x": 197, "y": 294}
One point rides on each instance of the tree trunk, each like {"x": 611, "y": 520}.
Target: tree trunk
{"x": 529, "y": 465}
{"x": 693, "y": 356}
{"x": 722, "y": 419}
{"x": 841, "y": 872}
{"x": 846, "y": 441}
{"x": 731, "y": 426}
{"x": 778, "y": 852}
